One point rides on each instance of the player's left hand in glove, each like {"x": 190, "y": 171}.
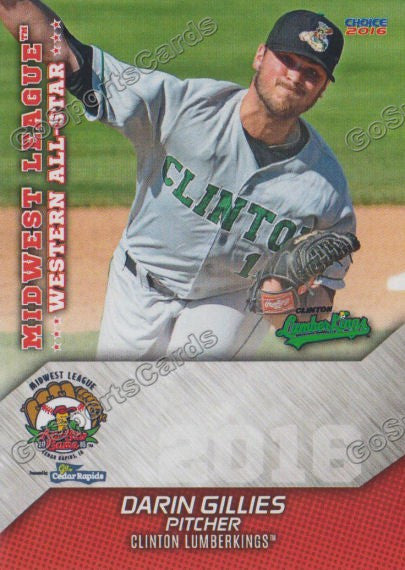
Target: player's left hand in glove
{"x": 296, "y": 266}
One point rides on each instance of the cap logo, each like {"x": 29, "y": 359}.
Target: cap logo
{"x": 317, "y": 39}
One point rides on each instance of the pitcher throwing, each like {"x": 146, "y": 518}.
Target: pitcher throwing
{"x": 225, "y": 177}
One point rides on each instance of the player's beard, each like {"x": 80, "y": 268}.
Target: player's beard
{"x": 287, "y": 109}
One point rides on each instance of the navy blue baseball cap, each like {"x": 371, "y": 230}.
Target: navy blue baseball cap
{"x": 308, "y": 34}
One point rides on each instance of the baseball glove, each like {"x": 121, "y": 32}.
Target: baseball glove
{"x": 296, "y": 266}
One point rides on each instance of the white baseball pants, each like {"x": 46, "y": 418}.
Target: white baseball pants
{"x": 139, "y": 323}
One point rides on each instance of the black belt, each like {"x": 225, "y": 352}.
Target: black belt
{"x": 130, "y": 264}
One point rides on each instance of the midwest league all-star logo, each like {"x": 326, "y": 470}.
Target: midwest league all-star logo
{"x": 63, "y": 418}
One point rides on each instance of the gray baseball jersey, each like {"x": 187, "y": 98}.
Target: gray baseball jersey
{"x": 205, "y": 217}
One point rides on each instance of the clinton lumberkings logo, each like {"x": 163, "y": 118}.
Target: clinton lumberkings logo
{"x": 63, "y": 418}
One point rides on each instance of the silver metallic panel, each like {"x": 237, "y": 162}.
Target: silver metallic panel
{"x": 220, "y": 424}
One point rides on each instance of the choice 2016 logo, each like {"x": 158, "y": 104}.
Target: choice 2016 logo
{"x": 63, "y": 418}
{"x": 366, "y": 26}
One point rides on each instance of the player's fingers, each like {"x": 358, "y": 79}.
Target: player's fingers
{"x": 312, "y": 284}
{"x": 272, "y": 285}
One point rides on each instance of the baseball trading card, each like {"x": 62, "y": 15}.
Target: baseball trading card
{"x": 203, "y": 297}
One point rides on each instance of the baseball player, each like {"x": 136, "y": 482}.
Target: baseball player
{"x": 225, "y": 177}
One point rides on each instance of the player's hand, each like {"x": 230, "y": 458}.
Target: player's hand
{"x": 284, "y": 285}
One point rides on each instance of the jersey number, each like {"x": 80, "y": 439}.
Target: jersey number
{"x": 250, "y": 262}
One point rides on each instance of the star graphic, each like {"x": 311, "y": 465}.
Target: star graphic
{"x": 56, "y": 37}
{"x": 55, "y": 24}
{"x": 56, "y": 334}
{"x": 56, "y": 347}
{"x": 56, "y": 321}
{"x": 55, "y": 50}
